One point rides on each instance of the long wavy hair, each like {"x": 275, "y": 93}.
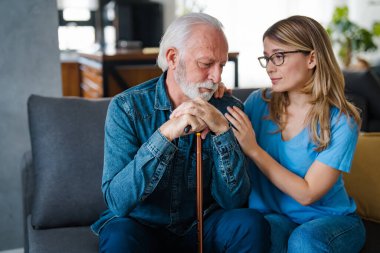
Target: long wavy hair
{"x": 326, "y": 86}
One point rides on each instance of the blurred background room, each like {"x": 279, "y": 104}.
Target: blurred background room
{"x": 98, "y": 48}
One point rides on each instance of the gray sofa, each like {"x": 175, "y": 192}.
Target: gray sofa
{"x": 62, "y": 175}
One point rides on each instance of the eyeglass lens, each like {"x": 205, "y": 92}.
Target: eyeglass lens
{"x": 277, "y": 59}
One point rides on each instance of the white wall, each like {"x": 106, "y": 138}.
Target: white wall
{"x": 365, "y": 13}
{"x": 29, "y": 63}
{"x": 246, "y": 21}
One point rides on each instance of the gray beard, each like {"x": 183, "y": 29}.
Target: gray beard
{"x": 191, "y": 90}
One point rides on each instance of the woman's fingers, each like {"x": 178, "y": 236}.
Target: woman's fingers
{"x": 239, "y": 112}
{"x": 235, "y": 116}
{"x": 221, "y": 90}
{"x": 235, "y": 123}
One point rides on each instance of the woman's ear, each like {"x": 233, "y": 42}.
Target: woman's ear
{"x": 172, "y": 58}
{"x": 312, "y": 60}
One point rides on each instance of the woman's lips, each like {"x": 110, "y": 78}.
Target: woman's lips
{"x": 275, "y": 80}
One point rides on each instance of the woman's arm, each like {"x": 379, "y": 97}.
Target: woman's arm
{"x": 317, "y": 182}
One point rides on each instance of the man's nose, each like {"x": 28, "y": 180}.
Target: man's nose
{"x": 215, "y": 73}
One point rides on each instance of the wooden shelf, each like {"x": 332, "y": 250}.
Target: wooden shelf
{"x": 105, "y": 74}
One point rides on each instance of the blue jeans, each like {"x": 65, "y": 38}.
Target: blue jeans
{"x": 344, "y": 234}
{"x": 237, "y": 230}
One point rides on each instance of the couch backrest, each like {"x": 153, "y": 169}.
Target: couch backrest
{"x": 67, "y": 147}
{"x": 242, "y": 93}
{"x": 365, "y": 85}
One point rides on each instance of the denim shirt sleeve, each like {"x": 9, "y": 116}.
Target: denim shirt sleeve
{"x": 131, "y": 170}
{"x": 230, "y": 185}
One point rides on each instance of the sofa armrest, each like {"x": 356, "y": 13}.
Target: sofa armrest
{"x": 27, "y": 180}
{"x": 362, "y": 182}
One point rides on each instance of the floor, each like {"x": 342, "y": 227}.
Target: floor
{"x": 20, "y": 250}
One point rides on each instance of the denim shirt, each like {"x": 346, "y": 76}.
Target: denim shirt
{"x": 152, "y": 180}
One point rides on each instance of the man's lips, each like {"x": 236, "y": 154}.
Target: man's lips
{"x": 203, "y": 89}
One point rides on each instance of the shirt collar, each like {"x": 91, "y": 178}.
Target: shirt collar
{"x": 162, "y": 101}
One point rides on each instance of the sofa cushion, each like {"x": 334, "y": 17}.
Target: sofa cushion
{"x": 67, "y": 147}
{"x": 71, "y": 239}
{"x": 362, "y": 183}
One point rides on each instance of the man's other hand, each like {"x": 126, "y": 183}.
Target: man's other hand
{"x": 175, "y": 126}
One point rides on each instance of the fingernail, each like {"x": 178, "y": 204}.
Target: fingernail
{"x": 187, "y": 129}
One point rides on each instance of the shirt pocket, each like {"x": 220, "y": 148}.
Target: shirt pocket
{"x": 206, "y": 170}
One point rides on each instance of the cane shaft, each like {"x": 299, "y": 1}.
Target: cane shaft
{"x": 199, "y": 193}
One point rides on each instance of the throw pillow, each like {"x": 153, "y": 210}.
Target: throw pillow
{"x": 67, "y": 146}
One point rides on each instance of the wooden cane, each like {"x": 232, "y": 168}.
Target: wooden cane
{"x": 199, "y": 193}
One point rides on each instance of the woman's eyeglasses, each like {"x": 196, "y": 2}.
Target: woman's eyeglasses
{"x": 278, "y": 58}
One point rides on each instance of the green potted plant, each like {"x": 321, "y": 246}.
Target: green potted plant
{"x": 350, "y": 37}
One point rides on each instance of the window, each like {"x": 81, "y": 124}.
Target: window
{"x": 246, "y": 21}
{"x": 76, "y": 24}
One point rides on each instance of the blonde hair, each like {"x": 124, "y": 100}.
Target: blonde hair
{"x": 326, "y": 85}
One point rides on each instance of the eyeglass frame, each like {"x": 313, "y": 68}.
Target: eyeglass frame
{"x": 267, "y": 59}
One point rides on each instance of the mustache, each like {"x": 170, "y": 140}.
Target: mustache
{"x": 208, "y": 85}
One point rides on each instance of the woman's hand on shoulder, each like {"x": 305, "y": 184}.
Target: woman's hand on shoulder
{"x": 219, "y": 93}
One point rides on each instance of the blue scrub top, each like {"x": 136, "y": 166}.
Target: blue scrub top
{"x": 297, "y": 155}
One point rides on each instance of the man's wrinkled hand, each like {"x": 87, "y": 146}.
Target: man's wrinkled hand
{"x": 199, "y": 108}
{"x": 175, "y": 126}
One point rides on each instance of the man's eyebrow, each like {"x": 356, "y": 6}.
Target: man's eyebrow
{"x": 205, "y": 58}
{"x": 211, "y": 60}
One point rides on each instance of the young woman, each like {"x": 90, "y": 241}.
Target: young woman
{"x": 301, "y": 135}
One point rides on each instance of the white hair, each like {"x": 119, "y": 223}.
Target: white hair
{"x": 179, "y": 32}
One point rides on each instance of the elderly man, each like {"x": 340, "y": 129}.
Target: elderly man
{"x": 149, "y": 177}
